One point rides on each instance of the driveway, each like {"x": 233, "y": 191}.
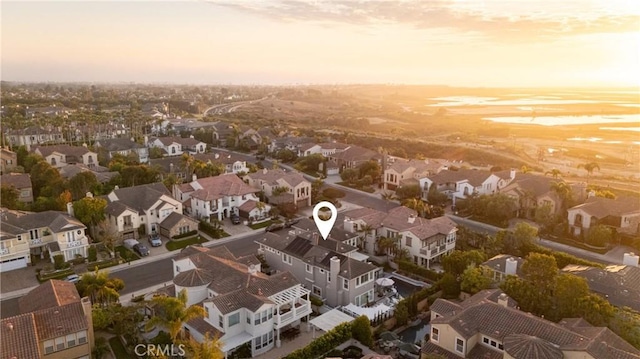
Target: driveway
{"x": 234, "y": 229}
{"x": 18, "y": 279}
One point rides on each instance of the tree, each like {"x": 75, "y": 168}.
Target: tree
{"x": 564, "y": 191}
{"x": 457, "y": 262}
{"x": 361, "y": 330}
{"x": 388, "y": 196}
{"x": 386, "y": 245}
{"x": 417, "y": 205}
{"x": 402, "y": 313}
{"x": 82, "y": 183}
{"x": 544, "y": 216}
{"x": 279, "y": 190}
{"x": 315, "y": 189}
{"x": 450, "y": 286}
{"x": 599, "y": 236}
{"x": 436, "y": 197}
{"x": 568, "y": 290}
{"x": 555, "y": 173}
{"x": 474, "y": 280}
{"x": 46, "y": 180}
{"x": 9, "y": 197}
{"x": 310, "y": 164}
{"x": 101, "y": 347}
{"x": 408, "y": 192}
{"x": 349, "y": 175}
{"x": 90, "y": 210}
{"x": 366, "y": 231}
{"x": 173, "y": 313}
{"x": 525, "y": 169}
{"x": 209, "y": 348}
{"x": 589, "y": 167}
{"x": 101, "y": 289}
{"x": 523, "y": 237}
{"x": 155, "y": 152}
{"x": 108, "y": 234}
{"x": 370, "y": 168}
{"x": 540, "y": 270}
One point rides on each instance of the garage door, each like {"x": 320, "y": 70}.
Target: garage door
{"x": 13, "y": 264}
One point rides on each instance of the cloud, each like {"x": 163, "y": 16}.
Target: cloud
{"x": 544, "y": 24}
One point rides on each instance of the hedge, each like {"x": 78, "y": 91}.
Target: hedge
{"x": 324, "y": 343}
{"x": 563, "y": 259}
{"x": 420, "y": 271}
{"x": 186, "y": 235}
{"x": 55, "y": 275}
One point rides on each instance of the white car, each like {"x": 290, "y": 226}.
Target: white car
{"x": 129, "y": 243}
{"x": 73, "y": 278}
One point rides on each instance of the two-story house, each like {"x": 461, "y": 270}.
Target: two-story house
{"x": 145, "y": 206}
{"x": 25, "y": 234}
{"x": 622, "y": 214}
{"x": 216, "y": 197}
{"x": 426, "y": 240}
{"x": 61, "y": 155}
{"x": 503, "y": 265}
{"x": 8, "y": 160}
{"x": 242, "y": 305}
{"x": 354, "y": 156}
{"x": 54, "y": 323}
{"x": 32, "y": 136}
{"x": 531, "y": 192}
{"x": 325, "y": 149}
{"x": 488, "y": 325}
{"x": 123, "y": 146}
{"x": 408, "y": 172}
{"x": 333, "y": 271}
{"x": 170, "y": 166}
{"x": 176, "y": 146}
{"x": 21, "y": 182}
{"x": 282, "y": 187}
{"x": 463, "y": 183}
{"x": 232, "y": 162}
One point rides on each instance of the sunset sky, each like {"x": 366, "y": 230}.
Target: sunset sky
{"x": 458, "y": 42}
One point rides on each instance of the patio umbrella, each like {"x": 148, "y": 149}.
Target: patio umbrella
{"x": 385, "y": 282}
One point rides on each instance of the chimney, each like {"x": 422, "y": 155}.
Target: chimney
{"x": 333, "y": 274}
{"x": 264, "y": 171}
{"x": 348, "y": 225}
{"x": 503, "y": 300}
{"x": 89, "y": 195}
{"x": 630, "y": 259}
{"x": 411, "y": 219}
{"x": 315, "y": 238}
{"x": 217, "y": 155}
{"x": 171, "y": 168}
{"x": 511, "y": 266}
{"x": 194, "y": 177}
{"x": 70, "y": 209}
{"x": 252, "y": 269}
{"x": 116, "y": 187}
{"x": 512, "y": 174}
{"x": 591, "y": 194}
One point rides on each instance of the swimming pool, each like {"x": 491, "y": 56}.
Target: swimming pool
{"x": 405, "y": 288}
{"x": 416, "y": 333}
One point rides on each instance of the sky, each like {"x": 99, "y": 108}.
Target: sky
{"x": 479, "y": 43}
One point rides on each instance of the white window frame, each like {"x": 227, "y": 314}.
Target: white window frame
{"x": 82, "y": 337}
{"x": 456, "y": 345}
{"x": 435, "y": 334}
{"x": 345, "y": 284}
{"x": 287, "y": 259}
{"x": 308, "y": 268}
{"x": 233, "y": 316}
{"x": 71, "y": 340}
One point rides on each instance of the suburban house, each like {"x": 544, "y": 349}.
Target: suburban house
{"x": 251, "y": 137}
{"x": 281, "y": 187}
{"x": 26, "y": 234}
{"x": 8, "y": 160}
{"x": 103, "y": 175}
{"x": 32, "y": 136}
{"x": 123, "y": 146}
{"x": 487, "y": 325}
{"x": 622, "y": 214}
{"x": 242, "y": 304}
{"x": 531, "y": 192}
{"x": 333, "y": 271}
{"x": 354, "y": 156}
{"x": 54, "y": 323}
{"x": 176, "y": 146}
{"x": 61, "y": 155}
{"x": 21, "y": 182}
{"x": 177, "y": 224}
{"x": 145, "y": 206}
{"x": 325, "y": 149}
{"x": 337, "y": 234}
{"x": 503, "y": 265}
{"x": 619, "y": 284}
{"x": 48, "y": 111}
{"x": 426, "y": 240}
{"x": 170, "y": 165}
{"x": 463, "y": 183}
{"x": 232, "y": 162}
{"x": 289, "y": 143}
{"x": 222, "y": 131}
{"x": 410, "y": 172}
{"x": 216, "y": 197}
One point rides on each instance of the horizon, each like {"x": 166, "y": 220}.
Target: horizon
{"x": 456, "y": 43}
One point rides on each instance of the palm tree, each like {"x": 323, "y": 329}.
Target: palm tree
{"x": 208, "y": 349}
{"x": 261, "y": 206}
{"x": 386, "y": 244}
{"x": 101, "y": 289}
{"x": 564, "y": 191}
{"x": 366, "y": 230}
{"x": 589, "y": 167}
{"x": 417, "y": 205}
{"x": 555, "y": 173}
{"x": 188, "y": 164}
{"x": 173, "y": 313}
{"x": 525, "y": 169}
{"x": 388, "y": 196}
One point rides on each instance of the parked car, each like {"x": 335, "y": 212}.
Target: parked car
{"x": 130, "y": 243}
{"x": 274, "y": 227}
{"x": 73, "y": 278}
{"x": 235, "y": 219}
{"x": 154, "y": 240}
{"x": 291, "y": 222}
{"x": 141, "y": 250}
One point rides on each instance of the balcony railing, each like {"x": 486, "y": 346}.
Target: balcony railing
{"x": 303, "y": 308}
{"x": 4, "y": 251}
{"x": 127, "y": 226}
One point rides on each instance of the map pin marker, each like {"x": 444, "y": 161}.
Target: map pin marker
{"x": 325, "y": 226}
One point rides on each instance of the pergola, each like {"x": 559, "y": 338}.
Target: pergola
{"x": 289, "y": 296}
{"x": 330, "y": 320}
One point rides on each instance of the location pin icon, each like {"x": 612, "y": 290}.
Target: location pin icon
{"x": 325, "y": 226}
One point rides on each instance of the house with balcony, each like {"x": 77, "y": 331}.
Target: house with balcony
{"x": 242, "y": 304}
{"x": 25, "y": 234}
{"x": 8, "y": 160}
{"x": 621, "y": 214}
{"x": 232, "y": 162}
{"x": 146, "y": 206}
{"x": 532, "y": 192}
{"x": 281, "y": 187}
{"x": 216, "y": 197}
{"x": 54, "y": 323}
{"x": 488, "y": 325}
{"x": 33, "y": 136}
{"x": 462, "y": 183}
{"x": 426, "y": 240}
{"x": 122, "y": 146}
{"x": 62, "y": 155}
{"x": 176, "y": 146}
{"x": 332, "y": 270}
{"x": 410, "y": 172}
{"x": 21, "y": 182}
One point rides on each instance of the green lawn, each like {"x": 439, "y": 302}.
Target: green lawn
{"x": 264, "y": 224}
{"x": 126, "y": 254}
{"x": 179, "y": 244}
{"x": 118, "y": 348}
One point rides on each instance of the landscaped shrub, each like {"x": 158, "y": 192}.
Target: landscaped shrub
{"x": 316, "y": 301}
{"x": 93, "y": 254}
{"x": 361, "y": 330}
{"x": 324, "y": 343}
{"x": 213, "y": 229}
{"x": 186, "y": 235}
{"x": 59, "y": 263}
{"x": 423, "y": 272}
{"x": 333, "y": 193}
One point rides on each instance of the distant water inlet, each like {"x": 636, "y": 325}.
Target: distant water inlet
{"x": 566, "y": 120}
